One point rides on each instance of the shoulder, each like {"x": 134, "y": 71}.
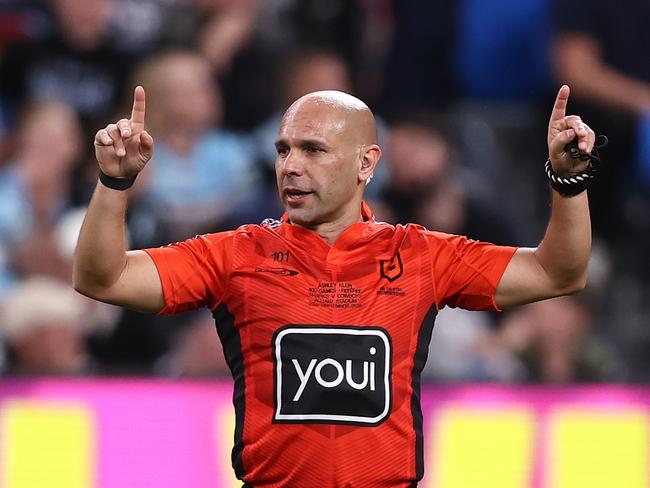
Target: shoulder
{"x": 436, "y": 241}
{"x": 246, "y": 231}
{"x": 438, "y": 236}
{"x": 267, "y": 229}
{"x": 415, "y": 231}
{"x": 396, "y": 236}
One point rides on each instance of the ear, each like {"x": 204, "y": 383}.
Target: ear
{"x": 369, "y": 158}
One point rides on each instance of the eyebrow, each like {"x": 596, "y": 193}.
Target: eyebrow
{"x": 301, "y": 142}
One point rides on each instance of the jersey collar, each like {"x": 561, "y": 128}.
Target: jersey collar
{"x": 352, "y": 237}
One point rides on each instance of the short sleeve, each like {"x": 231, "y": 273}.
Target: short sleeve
{"x": 194, "y": 273}
{"x": 466, "y": 273}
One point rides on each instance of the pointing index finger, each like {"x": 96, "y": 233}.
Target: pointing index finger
{"x": 137, "y": 113}
{"x": 559, "y": 108}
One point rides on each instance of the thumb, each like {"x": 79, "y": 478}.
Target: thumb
{"x": 146, "y": 145}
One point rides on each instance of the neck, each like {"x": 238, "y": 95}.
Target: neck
{"x": 332, "y": 229}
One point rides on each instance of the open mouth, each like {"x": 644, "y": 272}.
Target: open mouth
{"x": 294, "y": 195}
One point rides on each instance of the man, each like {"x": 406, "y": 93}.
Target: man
{"x": 325, "y": 316}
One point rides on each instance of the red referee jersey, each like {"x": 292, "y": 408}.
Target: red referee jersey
{"x": 326, "y": 343}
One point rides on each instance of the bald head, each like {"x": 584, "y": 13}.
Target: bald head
{"x": 327, "y": 153}
{"x": 341, "y": 111}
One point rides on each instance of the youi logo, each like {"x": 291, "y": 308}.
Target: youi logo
{"x": 332, "y": 374}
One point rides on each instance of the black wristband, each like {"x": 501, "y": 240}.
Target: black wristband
{"x": 574, "y": 183}
{"x": 120, "y": 184}
{"x": 570, "y": 185}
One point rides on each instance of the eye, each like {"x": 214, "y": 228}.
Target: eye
{"x": 282, "y": 150}
{"x": 313, "y": 149}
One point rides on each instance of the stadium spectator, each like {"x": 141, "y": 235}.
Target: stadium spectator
{"x": 45, "y": 323}
{"x": 34, "y": 187}
{"x": 203, "y": 176}
{"x": 426, "y": 182}
{"x": 550, "y": 335}
{"x": 215, "y": 29}
{"x": 465, "y": 348}
{"x": 76, "y": 64}
{"x": 555, "y": 343}
{"x": 252, "y": 84}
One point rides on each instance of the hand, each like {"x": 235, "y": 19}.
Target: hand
{"x": 124, "y": 149}
{"x": 562, "y": 129}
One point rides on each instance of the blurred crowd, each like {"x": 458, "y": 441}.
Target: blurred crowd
{"x": 462, "y": 91}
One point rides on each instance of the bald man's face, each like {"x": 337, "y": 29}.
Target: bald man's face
{"x": 319, "y": 167}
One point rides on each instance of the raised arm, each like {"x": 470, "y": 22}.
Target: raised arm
{"x": 558, "y": 266}
{"x": 103, "y": 269}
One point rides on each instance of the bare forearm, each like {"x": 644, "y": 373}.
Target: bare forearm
{"x": 564, "y": 251}
{"x": 100, "y": 256}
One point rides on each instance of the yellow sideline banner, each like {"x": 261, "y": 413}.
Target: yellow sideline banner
{"x": 46, "y": 444}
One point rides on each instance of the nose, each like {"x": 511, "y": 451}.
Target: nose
{"x": 292, "y": 164}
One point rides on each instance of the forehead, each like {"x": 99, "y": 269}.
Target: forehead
{"x": 314, "y": 120}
